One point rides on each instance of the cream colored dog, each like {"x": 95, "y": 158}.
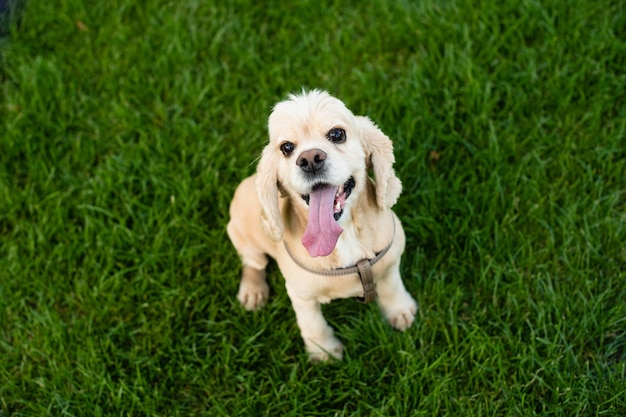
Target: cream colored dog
{"x": 313, "y": 208}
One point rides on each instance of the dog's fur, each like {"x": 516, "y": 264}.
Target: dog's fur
{"x": 269, "y": 210}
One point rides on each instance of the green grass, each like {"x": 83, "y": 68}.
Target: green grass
{"x": 125, "y": 128}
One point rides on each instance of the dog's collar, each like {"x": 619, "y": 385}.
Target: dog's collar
{"x": 363, "y": 268}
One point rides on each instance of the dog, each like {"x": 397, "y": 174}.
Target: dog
{"x": 313, "y": 207}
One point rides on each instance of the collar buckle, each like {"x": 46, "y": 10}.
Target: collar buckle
{"x": 367, "y": 280}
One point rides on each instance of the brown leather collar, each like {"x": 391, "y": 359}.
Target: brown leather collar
{"x": 363, "y": 268}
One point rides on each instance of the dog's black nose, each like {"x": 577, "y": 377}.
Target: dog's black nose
{"x": 311, "y": 161}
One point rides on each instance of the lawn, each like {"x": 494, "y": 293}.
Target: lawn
{"x": 125, "y": 127}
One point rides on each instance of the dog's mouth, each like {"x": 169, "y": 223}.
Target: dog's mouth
{"x": 341, "y": 195}
{"x": 326, "y": 206}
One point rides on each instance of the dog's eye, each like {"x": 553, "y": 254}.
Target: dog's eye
{"x": 287, "y": 148}
{"x": 337, "y": 135}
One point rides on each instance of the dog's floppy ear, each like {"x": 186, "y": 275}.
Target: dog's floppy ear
{"x": 267, "y": 189}
{"x": 379, "y": 157}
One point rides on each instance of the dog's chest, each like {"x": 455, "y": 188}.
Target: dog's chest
{"x": 350, "y": 250}
{"x": 335, "y": 287}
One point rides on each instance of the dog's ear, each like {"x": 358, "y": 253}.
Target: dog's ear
{"x": 267, "y": 189}
{"x": 379, "y": 158}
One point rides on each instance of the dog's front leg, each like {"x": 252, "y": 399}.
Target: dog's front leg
{"x": 319, "y": 337}
{"x": 394, "y": 300}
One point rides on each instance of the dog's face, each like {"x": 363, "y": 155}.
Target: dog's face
{"x": 318, "y": 142}
{"x": 319, "y": 153}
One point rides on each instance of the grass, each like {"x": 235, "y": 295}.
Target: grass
{"x": 126, "y": 126}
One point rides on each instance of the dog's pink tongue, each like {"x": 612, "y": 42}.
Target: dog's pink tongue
{"x": 322, "y": 231}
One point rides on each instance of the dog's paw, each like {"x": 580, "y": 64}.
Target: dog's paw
{"x": 330, "y": 349}
{"x": 253, "y": 291}
{"x": 403, "y": 316}
{"x": 253, "y": 298}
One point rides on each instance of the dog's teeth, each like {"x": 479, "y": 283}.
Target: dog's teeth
{"x": 337, "y": 207}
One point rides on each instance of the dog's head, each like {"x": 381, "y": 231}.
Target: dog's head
{"x": 320, "y": 154}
